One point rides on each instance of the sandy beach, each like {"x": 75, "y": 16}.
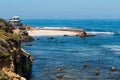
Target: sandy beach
{"x": 55, "y": 32}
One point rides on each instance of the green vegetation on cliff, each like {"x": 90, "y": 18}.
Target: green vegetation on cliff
{"x": 6, "y": 26}
{"x": 8, "y": 35}
{"x": 4, "y": 55}
{"x": 6, "y": 31}
{"x": 12, "y": 58}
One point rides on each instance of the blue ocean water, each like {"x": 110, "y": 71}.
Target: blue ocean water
{"x": 79, "y": 58}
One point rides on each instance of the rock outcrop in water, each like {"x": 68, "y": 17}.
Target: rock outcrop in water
{"x": 81, "y": 33}
{"x": 25, "y": 37}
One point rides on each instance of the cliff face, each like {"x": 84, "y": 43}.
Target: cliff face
{"x": 14, "y": 62}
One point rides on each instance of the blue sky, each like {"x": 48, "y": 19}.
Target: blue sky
{"x": 61, "y": 9}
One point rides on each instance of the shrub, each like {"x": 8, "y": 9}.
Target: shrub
{"x": 6, "y": 26}
{"x": 2, "y": 22}
{"x": 4, "y": 55}
{"x": 25, "y": 33}
{"x": 14, "y": 36}
{"x": 7, "y": 36}
{"x": 22, "y": 28}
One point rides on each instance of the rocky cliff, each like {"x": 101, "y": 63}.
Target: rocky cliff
{"x": 14, "y": 62}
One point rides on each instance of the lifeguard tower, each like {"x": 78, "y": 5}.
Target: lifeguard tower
{"x": 15, "y": 21}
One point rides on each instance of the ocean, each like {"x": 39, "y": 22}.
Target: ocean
{"x": 76, "y": 58}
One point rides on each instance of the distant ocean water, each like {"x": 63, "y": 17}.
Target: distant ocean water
{"x": 99, "y": 53}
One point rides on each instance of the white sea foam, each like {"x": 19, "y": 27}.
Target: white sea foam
{"x": 99, "y": 33}
{"x": 115, "y": 48}
{"x": 56, "y": 27}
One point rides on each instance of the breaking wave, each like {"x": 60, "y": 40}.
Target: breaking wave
{"x": 56, "y": 27}
{"x": 99, "y": 33}
{"x": 115, "y": 48}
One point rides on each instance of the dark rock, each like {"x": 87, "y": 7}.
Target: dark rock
{"x": 25, "y": 33}
{"x": 59, "y": 76}
{"x": 97, "y": 73}
{"x": 65, "y": 35}
{"x": 38, "y": 39}
{"x": 113, "y": 69}
{"x": 27, "y": 38}
{"x": 85, "y": 66}
{"x": 59, "y": 68}
{"x": 32, "y": 58}
{"x": 50, "y": 37}
{"x": 82, "y": 34}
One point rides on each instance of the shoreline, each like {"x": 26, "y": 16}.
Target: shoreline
{"x": 56, "y": 32}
